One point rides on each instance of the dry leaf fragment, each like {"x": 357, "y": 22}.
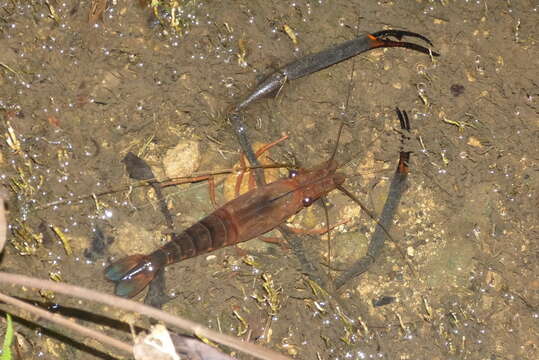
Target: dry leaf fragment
{"x": 291, "y": 34}
{"x": 96, "y": 11}
{"x": 157, "y": 345}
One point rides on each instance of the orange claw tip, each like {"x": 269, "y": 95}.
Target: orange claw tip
{"x": 121, "y": 268}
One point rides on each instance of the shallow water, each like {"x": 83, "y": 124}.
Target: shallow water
{"x": 463, "y": 274}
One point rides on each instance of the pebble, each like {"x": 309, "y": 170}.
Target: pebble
{"x": 182, "y": 160}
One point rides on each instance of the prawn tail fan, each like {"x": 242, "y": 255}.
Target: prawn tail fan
{"x": 131, "y": 274}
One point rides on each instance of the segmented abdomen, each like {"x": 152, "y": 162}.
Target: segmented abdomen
{"x": 213, "y": 232}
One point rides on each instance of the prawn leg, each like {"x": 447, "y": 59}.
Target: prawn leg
{"x": 138, "y": 169}
{"x": 312, "y": 63}
{"x": 308, "y": 65}
{"x": 259, "y": 151}
{"x": 241, "y": 133}
{"x": 396, "y": 189}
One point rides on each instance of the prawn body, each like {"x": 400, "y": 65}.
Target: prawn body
{"x": 246, "y": 217}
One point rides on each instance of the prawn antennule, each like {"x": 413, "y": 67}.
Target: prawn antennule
{"x": 131, "y": 274}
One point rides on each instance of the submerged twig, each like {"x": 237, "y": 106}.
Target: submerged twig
{"x": 139, "y": 308}
{"x": 63, "y": 321}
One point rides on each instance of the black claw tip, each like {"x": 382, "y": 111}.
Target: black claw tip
{"x": 399, "y": 34}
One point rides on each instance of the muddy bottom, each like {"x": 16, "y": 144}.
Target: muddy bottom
{"x": 81, "y": 88}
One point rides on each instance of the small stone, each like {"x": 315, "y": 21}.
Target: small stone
{"x": 473, "y": 141}
{"x": 182, "y": 160}
{"x": 494, "y": 280}
{"x": 457, "y": 89}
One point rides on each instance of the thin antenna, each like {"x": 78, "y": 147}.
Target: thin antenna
{"x": 365, "y": 209}
{"x": 346, "y": 103}
{"x": 332, "y": 158}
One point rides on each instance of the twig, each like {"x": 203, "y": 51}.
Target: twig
{"x": 136, "y": 307}
{"x": 65, "y": 322}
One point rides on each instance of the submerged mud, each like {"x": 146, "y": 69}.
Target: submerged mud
{"x": 78, "y": 93}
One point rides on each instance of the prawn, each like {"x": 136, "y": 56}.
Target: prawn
{"x": 246, "y": 217}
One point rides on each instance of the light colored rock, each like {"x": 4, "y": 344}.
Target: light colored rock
{"x": 182, "y": 160}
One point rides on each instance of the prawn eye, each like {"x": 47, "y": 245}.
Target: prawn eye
{"x": 307, "y": 201}
{"x": 292, "y": 173}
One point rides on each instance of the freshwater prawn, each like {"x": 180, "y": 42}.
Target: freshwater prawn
{"x": 246, "y": 217}
{"x": 269, "y": 205}
{"x": 254, "y": 213}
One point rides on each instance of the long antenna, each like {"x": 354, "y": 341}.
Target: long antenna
{"x": 332, "y": 157}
